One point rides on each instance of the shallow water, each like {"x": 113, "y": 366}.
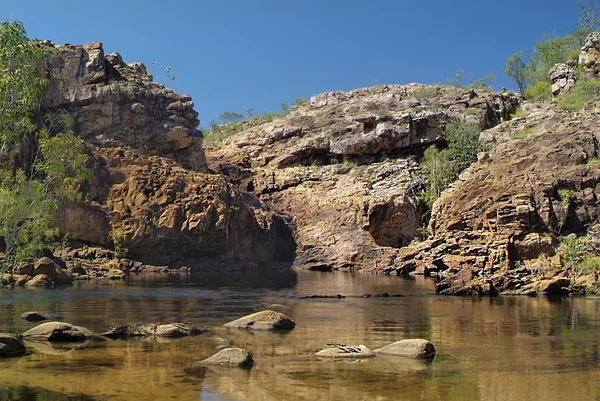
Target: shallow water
{"x": 503, "y": 348}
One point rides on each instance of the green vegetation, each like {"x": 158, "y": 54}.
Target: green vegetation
{"x": 524, "y": 133}
{"x": 566, "y": 195}
{"x": 444, "y": 166}
{"x": 531, "y": 74}
{"x": 573, "y": 252}
{"x": 230, "y": 123}
{"x": 583, "y": 92}
{"x": 32, "y": 191}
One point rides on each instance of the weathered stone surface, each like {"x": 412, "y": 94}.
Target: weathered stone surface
{"x": 410, "y": 348}
{"x": 562, "y": 78}
{"x": 170, "y": 330}
{"x": 48, "y": 267}
{"x": 39, "y": 316}
{"x": 230, "y": 357}
{"x": 58, "y": 332}
{"x": 40, "y": 281}
{"x": 555, "y": 285}
{"x": 265, "y": 320}
{"x": 335, "y": 166}
{"x": 336, "y": 353}
{"x": 11, "y": 346}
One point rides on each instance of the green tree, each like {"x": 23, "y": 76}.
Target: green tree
{"x": 33, "y": 191}
{"x": 462, "y": 138}
{"x": 230, "y": 117}
{"x": 517, "y": 70}
{"x": 589, "y": 18}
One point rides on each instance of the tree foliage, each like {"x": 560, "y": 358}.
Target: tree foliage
{"x": 444, "y": 166}
{"x": 517, "y": 70}
{"x": 31, "y": 193}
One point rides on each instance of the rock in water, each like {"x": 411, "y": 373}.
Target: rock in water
{"x": 230, "y": 357}
{"x": 11, "y": 346}
{"x": 336, "y": 352}
{"x": 171, "y": 330}
{"x": 266, "y": 320}
{"x": 411, "y": 348}
{"x": 58, "y": 332}
{"x": 39, "y": 317}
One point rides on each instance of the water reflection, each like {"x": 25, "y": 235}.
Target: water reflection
{"x": 503, "y": 348}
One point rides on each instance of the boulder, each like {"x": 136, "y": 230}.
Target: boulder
{"x": 170, "y": 330}
{"x": 41, "y": 280}
{"x": 335, "y": 353}
{"x": 11, "y": 346}
{"x": 56, "y": 273}
{"x": 39, "y": 317}
{"x": 266, "y": 320}
{"x": 553, "y": 286}
{"x": 410, "y": 348}
{"x": 127, "y": 331}
{"x": 230, "y": 357}
{"x": 58, "y": 332}
{"x": 176, "y": 330}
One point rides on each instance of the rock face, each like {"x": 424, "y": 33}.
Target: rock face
{"x": 236, "y": 357}
{"x": 11, "y": 346}
{"x": 341, "y": 168}
{"x": 411, "y": 348}
{"x": 336, "y": 353}
{"x": 150, "y": 184}
{"x": 495, "y": 229}
{"x": 115, "y": 103}
{"x": 265, "y": 321}
{"x": 562, "y": 78}
{"x": 58, "y": 332}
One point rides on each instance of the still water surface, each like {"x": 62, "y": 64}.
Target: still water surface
{"x": 503, "y": 348}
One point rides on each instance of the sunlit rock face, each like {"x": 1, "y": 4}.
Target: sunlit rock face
{"x": 150, "y": 181}
{"x": 344, "y": 166}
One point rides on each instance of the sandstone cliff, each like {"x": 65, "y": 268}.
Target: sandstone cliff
{"x": 150, "y": 185}
{"x": 344, "y": 168}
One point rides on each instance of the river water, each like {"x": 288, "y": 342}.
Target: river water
{"x": 502, "y": 348}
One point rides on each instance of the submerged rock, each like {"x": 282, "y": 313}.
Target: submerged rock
{"x": 59, "y": 332}
{"x": 230, "y": 357}
{"x": 170, "y": 330}
{"x": 410, "y": 348}
{"x": 11, "y": 346}
{"x": 266, "y": 320}
{"x": 39, "y": 317}
{"x": 335, "y": 353}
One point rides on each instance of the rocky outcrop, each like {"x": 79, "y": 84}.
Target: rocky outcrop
{"x": 118, "y": 104}
{"x": 58, "y": 332}
{"x": 263, "y": 321}
{"x": 150, "y": 192}
{"x": 496, "y": 228}
{"x": 344, "y": 168}
{"x": 562, "y": 78}
{"x": 409, "y": 348}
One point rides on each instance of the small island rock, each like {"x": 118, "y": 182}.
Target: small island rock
{"x": 230, "y": 357}
{"x": 11, "y": 346}
{"x": 335, "y": 353}
{"x": 58, "y": 332}
{"x": 410, "y": 348}
{"x": 266, "y": 320}
{"x": 39, "y": 317}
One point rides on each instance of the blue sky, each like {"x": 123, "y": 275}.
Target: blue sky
{"x": 232, "y": 55}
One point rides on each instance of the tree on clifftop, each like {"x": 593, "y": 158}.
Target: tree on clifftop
{"x": 51, "y": 163}
{"x": 517, "y": 70}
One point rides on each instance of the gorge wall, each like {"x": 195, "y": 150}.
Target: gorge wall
{"x": 344, "y": 167}
{"x": 150, "y": 186}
